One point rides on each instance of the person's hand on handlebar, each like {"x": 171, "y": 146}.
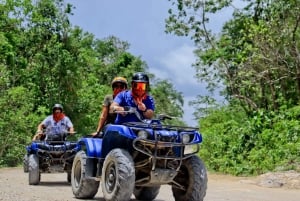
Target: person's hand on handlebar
{"x": 71, "y": 131}
{"x": 119, "y": 109}
{"x": 39, "y": 132}
{"x": 38, "y": 135}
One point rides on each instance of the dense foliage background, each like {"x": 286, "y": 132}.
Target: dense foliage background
{"x": 254, "y": 63}
{"x": 44, "y": 60}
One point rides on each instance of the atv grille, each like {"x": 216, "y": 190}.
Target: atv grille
{"x": 162, "y": 150}
{"x": 166, "y": 138}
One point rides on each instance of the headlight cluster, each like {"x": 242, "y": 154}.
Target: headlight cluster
{"x": 142, "y": 134}
{"x": 186, "y": 137}
{"x": 189, "y": 149}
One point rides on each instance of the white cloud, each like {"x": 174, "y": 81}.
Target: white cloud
{"x": 141, "y": 23}
{"x": 188, "y": 112}
{"x": 178, "y": 65}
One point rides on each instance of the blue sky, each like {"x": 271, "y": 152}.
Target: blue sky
{"x": 141, "y": 24}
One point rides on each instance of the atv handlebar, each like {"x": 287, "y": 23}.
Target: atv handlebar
{"x": 44, "y": 135}
{"x": 133, "y": 110}
{"x": 62, "y": 133}
{"x": 130, "y": 110}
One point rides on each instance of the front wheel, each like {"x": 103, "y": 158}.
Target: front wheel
{"x": 69, "y": 173}
{"x": 146, "y": 193}
{"x": 118, "y": 176}
{"x": 192, "y": 176}
{"x": 82, "y": 187}
{"x": 33, "y": 169}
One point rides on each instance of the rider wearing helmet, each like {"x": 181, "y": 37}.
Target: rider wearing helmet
{"x": 56, "y": 123}
{"x": 137, "y": 97}
{"x": 139, "y": 85}
{"x": 118, "y": 85}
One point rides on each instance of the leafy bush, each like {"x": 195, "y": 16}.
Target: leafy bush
{"x": 241, "y": 145}
{"x": 17, "y": 124}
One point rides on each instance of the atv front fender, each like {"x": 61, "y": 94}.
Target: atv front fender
{"x": 92, "y": 146}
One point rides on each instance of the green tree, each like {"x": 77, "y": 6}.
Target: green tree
{"x": 168, "y": 101}
{"x": 256, "y": 59}
{"x": 45, "y": 60}
{"x": 16, "y": 124}
{"x": 250, "y": 58}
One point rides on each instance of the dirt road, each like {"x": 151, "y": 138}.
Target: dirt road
{"x": 53, "y": 187}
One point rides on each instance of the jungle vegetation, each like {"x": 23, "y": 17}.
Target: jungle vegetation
{"x": 45, "y": 60}
{"x": 254, "y": 63}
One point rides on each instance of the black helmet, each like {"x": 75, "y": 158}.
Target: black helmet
{"x": 140, "y": 81}
{"x": 140, "y": 77}
{"x": 57, "y": 106}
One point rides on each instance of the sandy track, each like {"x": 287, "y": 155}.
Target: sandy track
{"x": 54, "y": 187}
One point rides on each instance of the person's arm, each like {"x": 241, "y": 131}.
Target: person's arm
{"x": 115, "y": 107}
{"x": 70, "y": 126}
{"x": 39, "y": 132}
{"x": 147, "y": 112}
{"x": 71, "y": 130}
{"x": 102, "y": 118}
{"x": 40, "y": 128}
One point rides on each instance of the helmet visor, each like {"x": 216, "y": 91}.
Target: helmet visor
{"x": 140, "y": 86}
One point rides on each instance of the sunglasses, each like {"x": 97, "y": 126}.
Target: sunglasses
{"x": 140, "y": 85}
{"x": 118, "y": 86}
{"x": 56, "y": 110}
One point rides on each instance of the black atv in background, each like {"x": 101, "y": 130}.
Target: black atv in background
{"x": 54, "y": 154}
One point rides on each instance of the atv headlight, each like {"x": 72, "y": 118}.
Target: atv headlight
{"x": 189, "y": 149}
{"x": 142, "y": 134}
{"x": 186, "y": 138}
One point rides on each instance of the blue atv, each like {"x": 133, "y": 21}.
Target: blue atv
{"x": 137, "y": 158}
{"x": 53, "y": 154}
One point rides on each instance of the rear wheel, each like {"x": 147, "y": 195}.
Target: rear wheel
{"x": 25, "y": 163}
{"x": 33, "y": 169}
{"x": 118, "y": 175}
{"x": 82, "y": 187}
{"x": 146, "y": 193}
{"x": 69, "y": 173}
{"x": 192, "y": 176}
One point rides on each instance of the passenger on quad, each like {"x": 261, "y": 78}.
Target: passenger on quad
{"x": 118, "y": 85}
{"x": 54, "y": 124}
{"x": 137, "y": 97}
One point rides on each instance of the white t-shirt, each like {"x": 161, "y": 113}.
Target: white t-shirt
{"x": 59, "y": 127}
